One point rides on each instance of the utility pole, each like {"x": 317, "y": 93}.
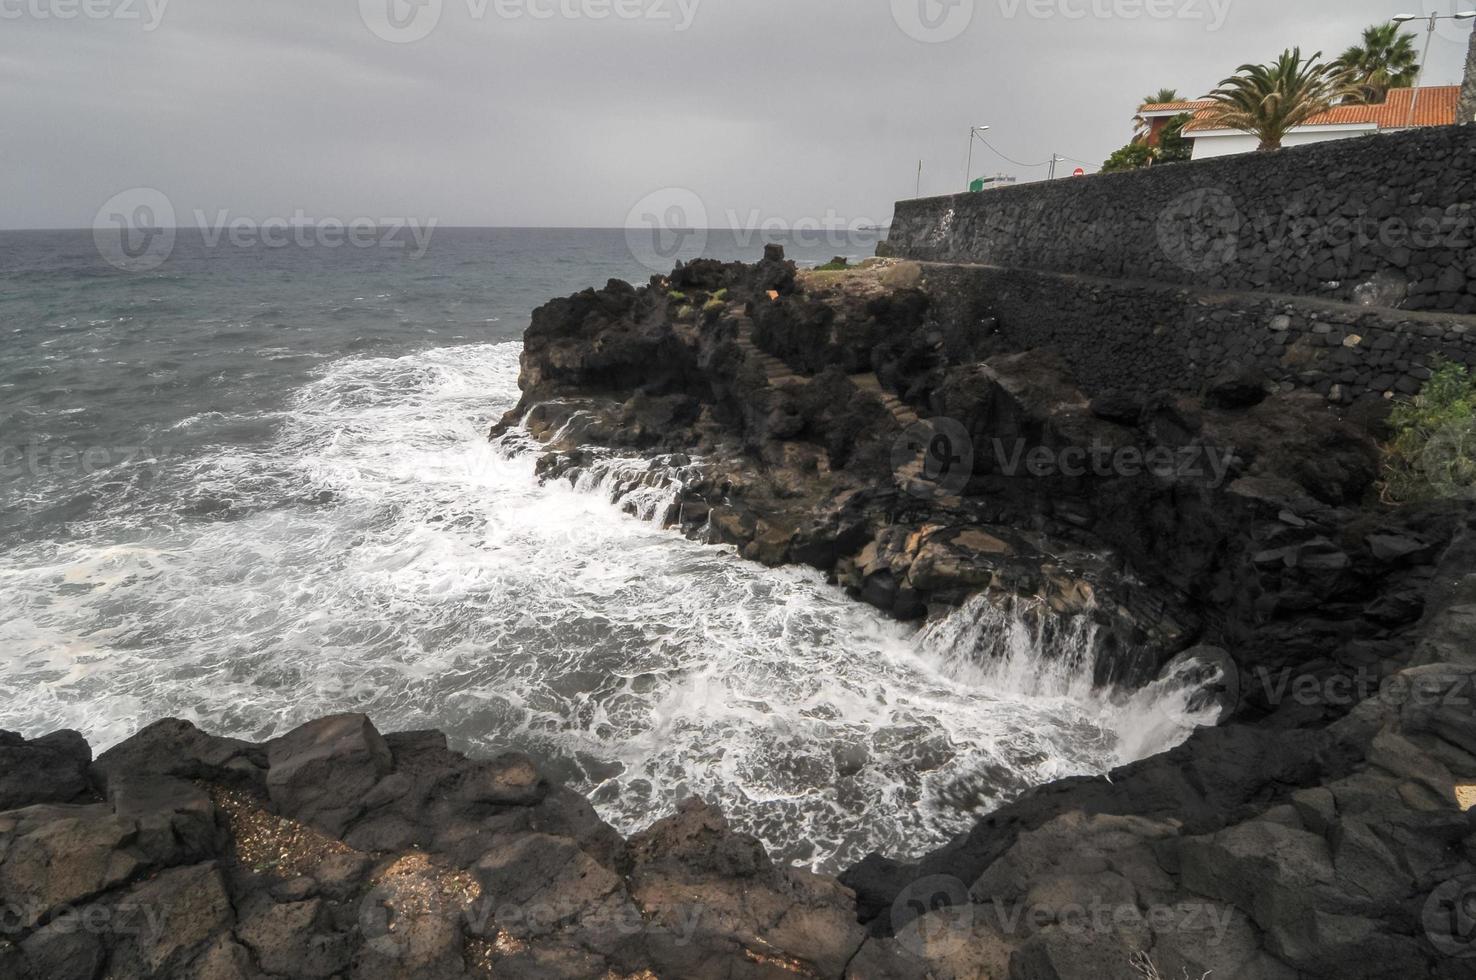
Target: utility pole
{"x": 1435, "y": 17}
{"x": 974, "y": 132}
{"x": 1468, "y": 88}
{"x": 918, "y": 192}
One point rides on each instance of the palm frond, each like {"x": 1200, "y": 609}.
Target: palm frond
{"x": 1271, "y": 100}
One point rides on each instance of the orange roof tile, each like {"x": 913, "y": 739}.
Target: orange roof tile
{"x": 1437, "y": 107}
{"x": 1183, "y": 105}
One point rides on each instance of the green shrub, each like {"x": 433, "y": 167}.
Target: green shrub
{"x": 1131, "y": 157}
{"x": 721, "y": 296}
{"x": 1173, "y": 145}
{"x": 836, "y": 264}
{"x": 677, "y": 296}
{"x": 1433, "y": 453}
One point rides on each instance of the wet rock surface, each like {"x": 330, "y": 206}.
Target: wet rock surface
{"x": 1340, "y": 851}
{"x": 426, "y": 864}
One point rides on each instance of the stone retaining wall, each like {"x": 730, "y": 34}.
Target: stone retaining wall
{"x": 1150, "y": 337}
{"x": 1388, "y": 220}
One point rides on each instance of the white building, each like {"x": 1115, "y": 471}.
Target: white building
{"x": 1436, "y": 106}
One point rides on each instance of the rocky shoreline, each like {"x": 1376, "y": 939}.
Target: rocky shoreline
{"x": 874, "y": 425}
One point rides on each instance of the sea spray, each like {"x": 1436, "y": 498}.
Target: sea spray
{"x": 377, "y": 553}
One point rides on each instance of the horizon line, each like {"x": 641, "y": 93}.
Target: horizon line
{"x": 754, "y": 231}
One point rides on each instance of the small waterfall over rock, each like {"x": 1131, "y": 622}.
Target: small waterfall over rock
{"x": 648, "y": 490}
{"x": 1016, "y": 645}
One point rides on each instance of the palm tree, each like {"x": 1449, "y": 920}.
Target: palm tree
{"x": 1140, "y": 125}
{"x": 1271, "y": 100}
{"x": 1386, "y": 59}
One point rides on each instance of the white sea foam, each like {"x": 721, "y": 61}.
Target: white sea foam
{"x": 381, "y": 555}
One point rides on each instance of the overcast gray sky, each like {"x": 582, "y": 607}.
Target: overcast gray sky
{"x": 544, "y": 112}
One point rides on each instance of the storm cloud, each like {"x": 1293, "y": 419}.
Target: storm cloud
{"x": 570, "y": 112}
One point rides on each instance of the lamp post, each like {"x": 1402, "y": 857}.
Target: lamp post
{"x": 974, "y": 132}
{"x": 1435, "y": 18}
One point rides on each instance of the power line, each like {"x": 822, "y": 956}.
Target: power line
{"x": 1059, "y": 157}
{"x": 1010, "y": 159}
{"x": 1047, "y": 163}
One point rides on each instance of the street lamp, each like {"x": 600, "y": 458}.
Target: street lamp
{"x": 1414, "y": 97}
{"x": 974, "y": 132}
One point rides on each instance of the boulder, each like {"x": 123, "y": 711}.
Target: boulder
{"x": 731, "y": 904}
{"x": 59, "y": 856}
{"x": 170, "y": 921}
{"x": 176, "y": 748}
{"x": 50, "y": 769}
{"x": 294, "y": 939}
{"x": 321, "y": 772}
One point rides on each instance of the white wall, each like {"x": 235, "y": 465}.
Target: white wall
{"x": 1221, "y": 144}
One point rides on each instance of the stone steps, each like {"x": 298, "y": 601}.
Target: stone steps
{"x": 911, "y": 477}
{"x": 776, "y": 371}
{"x": 900, "y": 410}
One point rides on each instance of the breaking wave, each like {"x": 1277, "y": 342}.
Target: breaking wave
{"x": 378, "y": 554}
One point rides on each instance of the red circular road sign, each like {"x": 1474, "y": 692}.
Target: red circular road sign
{"x": 1078, "y": 172}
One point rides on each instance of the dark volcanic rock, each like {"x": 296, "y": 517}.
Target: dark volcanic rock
{"x": 1247, "y": 851}
{"x": 50, "y": 769}
{"x": 1237, "y": 389}
{"x": 1318, "y": 832}
{"x": 321, "y": 772}
{"x": 1123, "y": 407}
{"x": 172, "y": 747}
{"x": 1239, "y": 528}
{"x": 499, "y": 873}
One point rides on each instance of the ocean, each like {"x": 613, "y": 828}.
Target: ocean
{"x": 253, "y": 485}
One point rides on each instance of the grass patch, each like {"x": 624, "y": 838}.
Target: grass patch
{"x": 1433, "y": 453}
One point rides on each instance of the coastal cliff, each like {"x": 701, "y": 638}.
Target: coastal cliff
{"x": 882, "y": 425}
{"x": 870, "y": 422}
